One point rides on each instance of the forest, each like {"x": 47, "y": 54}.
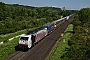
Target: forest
{"x": 80, "y": 40}
{"x": 15, "y": 17}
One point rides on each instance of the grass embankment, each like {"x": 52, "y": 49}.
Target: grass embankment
{"x": 6, "y": 37}
{"x": 9, "y": 47}
{"x": 59, "y": 49}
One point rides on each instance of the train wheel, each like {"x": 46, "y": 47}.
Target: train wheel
{"x": 23, "y": 49}
{"x": 26, "y": 48}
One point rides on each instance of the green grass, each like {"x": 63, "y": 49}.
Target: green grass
{"x": 59, "y": 49}
{"x": 8, "y": 36}
{"x": 8, "y": 48}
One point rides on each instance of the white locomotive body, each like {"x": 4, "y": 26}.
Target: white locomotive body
{"x": 29, "y": 39}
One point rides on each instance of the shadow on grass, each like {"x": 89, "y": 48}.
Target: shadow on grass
{"x": 24, "y": 49}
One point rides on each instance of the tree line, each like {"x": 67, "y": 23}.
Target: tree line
{"x": 14, "y": 17}
{"x": 80, "y": 40}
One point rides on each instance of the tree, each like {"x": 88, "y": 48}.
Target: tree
{"x": 80, "y": 40}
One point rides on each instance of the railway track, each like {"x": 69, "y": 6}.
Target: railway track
{"x": 42, "y": 49}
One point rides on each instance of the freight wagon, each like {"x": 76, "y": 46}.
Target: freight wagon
{"x": 49, "y": 27}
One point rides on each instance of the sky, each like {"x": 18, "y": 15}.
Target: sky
{"x": 68, "y": 4}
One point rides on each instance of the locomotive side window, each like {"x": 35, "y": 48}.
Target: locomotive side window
{"x": 24, "y": 38}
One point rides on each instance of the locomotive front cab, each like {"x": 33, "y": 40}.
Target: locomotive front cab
{"x": 25, "y": 41}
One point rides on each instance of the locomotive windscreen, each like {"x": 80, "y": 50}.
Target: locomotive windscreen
{"x": 24, "y": 38}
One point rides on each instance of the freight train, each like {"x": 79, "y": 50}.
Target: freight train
{"x": 30, "y": 38}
